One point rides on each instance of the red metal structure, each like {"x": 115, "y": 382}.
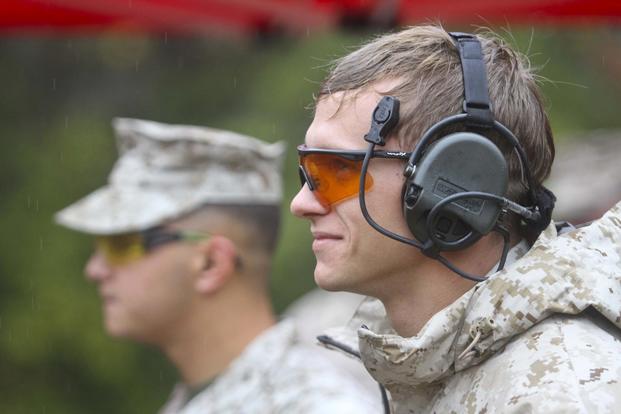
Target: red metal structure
{"x": 247, "y": 17}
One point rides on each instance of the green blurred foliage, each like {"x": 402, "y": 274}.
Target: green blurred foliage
{"x": 58, "y": 97}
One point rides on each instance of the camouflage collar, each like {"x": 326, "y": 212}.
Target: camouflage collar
{"x": 565, "y": 273}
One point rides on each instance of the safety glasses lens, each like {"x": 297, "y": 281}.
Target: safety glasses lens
{"x": 333, "y": 178}
{"x": 122, "y": 248}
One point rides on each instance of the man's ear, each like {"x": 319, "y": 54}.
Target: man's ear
{"x": 219, "y": 264}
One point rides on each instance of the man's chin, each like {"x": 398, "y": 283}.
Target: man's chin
{"x": 117, "y": 329}
{"x": 114, "y": 331}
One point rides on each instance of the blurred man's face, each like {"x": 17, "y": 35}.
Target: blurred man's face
{"x": 147, "y": 298}
{"x": 350, "y": 254}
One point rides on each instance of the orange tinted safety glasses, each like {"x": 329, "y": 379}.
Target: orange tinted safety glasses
{"x": 334, "y": 175}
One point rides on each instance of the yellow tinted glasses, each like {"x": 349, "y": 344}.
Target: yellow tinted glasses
{"x": 119, "y": 249}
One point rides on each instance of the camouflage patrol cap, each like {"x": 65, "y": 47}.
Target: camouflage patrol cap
{"x": 165, "y": 171}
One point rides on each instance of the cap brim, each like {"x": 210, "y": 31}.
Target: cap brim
{"x": 112, "y": 210}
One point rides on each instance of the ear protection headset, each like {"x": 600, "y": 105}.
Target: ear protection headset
{"x": 455, "y": 186}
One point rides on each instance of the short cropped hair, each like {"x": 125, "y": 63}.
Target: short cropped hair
{"x": 262, "y": 220}
{"x": 424, "y": 61}
{"x": 255, "y": 226}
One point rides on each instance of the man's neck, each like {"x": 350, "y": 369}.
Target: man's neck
{"x": 213, "y": 338}
{"x": 418, "y": 298}
{"x": 415, "y": 296}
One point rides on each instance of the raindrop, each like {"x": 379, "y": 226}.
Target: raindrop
{"x": 137, "y": 64}
{"x": 66, "y": 122}
{"x": 165, "y": 38}
{"x": 41, "y": 243}
{"x": 234, "y": 82}
{"x": 53, "y": 84}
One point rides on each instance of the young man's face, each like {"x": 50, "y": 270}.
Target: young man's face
{"x": 350, "y": 254}
{"x": 146, "y": 299}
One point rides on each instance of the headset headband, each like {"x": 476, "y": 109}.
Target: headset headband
{"x": 477, "y": 109}
{"x": 476, "y": 96}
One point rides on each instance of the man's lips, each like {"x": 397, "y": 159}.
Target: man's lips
{"x": 320, "y": 235}
{"x": 321, "y": 238}
{"x": 107, "y": 298}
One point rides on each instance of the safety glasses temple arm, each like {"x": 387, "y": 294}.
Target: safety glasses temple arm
{"x": 354, "y": 155}
{"x": 155, "y": 237}
{"x": 391, "y": 155}
{"x": 193, "y": 235}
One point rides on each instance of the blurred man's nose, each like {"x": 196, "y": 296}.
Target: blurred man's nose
{"x": 97, "y": 268}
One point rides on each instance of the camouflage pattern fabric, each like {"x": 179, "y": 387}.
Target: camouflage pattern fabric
{"x": 541, "y": 336}
{"x": 165, "y": 171}
{"x": 276, "y": 374}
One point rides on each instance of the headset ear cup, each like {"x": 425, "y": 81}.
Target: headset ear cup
{"x": 457, "y": 163}
{"x": 445, "y": 225}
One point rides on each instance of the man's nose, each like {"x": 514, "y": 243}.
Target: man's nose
{"x": 305, "y": 204}
{"x": 97, "y": 268}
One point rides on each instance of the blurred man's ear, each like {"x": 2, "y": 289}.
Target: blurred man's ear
{"x": 220, "y": 258}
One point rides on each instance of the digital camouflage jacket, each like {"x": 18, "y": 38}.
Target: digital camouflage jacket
{"x": 276, "y": 374}
{"x": 541, "y": 336}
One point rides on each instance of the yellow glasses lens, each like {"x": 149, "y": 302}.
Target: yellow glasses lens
{"x": 122, "y": 248}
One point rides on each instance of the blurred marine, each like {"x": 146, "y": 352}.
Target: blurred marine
{"x": 185, "y": 231}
